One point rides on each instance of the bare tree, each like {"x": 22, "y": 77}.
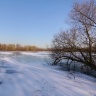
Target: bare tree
{"x": 77, "y": 43}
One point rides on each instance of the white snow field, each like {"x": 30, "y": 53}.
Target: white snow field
{"x": 29, "y": 75}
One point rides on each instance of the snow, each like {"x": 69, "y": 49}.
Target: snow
{"x": 29, "y": 75}
{"x": 6, "y": 53}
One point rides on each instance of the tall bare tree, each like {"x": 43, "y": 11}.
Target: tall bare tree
{"x": 77, "y": 43}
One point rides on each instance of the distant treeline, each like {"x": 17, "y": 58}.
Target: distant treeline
{"x": 18, "y": 47}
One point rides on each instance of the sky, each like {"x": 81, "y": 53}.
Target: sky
{"x": 33, "y": 22}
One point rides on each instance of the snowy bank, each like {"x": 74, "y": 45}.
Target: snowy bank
{"x": 27, "y": 75}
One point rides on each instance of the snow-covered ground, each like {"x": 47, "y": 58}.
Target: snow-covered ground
{"x": 29, "y": 75}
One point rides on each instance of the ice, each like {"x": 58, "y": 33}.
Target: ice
{"x": 29, "y": 75}
{"x": 6, "y": 53}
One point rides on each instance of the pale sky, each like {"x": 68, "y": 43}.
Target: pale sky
{"x": 32, "y": 22}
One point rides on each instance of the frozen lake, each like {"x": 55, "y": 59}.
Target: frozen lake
{"x": 28, "y": 74}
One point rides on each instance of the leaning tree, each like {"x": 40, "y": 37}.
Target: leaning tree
{"x": 77, "y": 43}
